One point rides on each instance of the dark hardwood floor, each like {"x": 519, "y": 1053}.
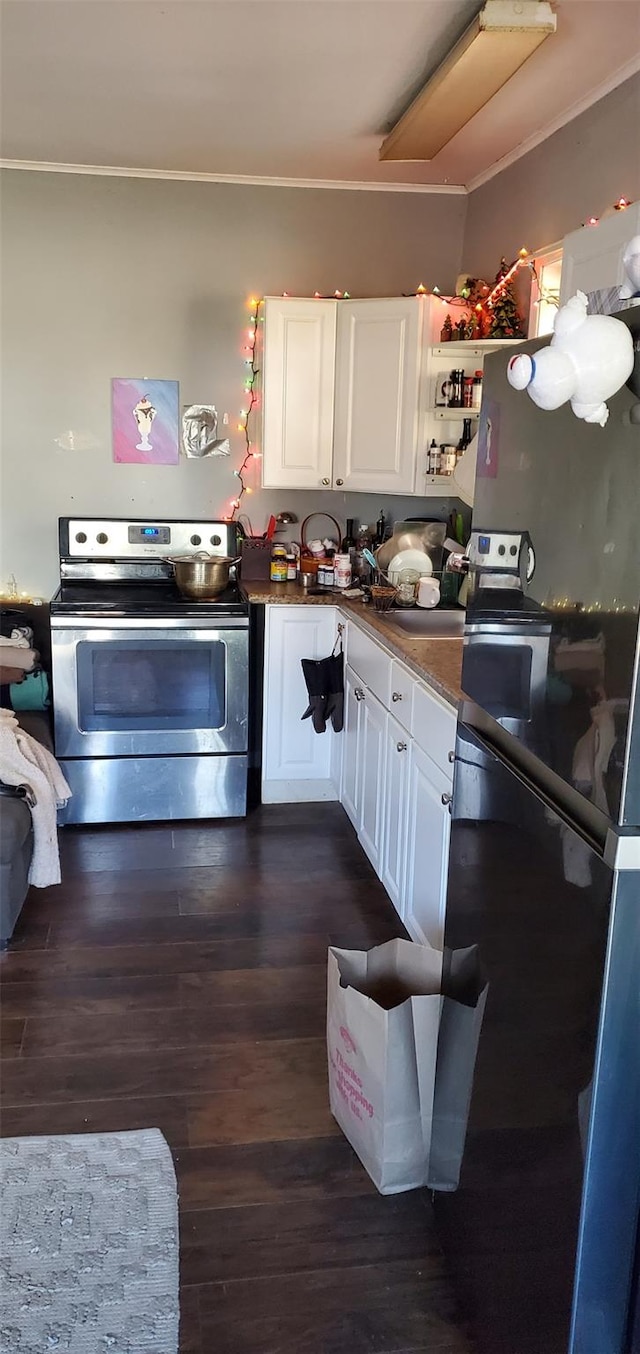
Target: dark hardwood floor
{"x": 177, "y": 979}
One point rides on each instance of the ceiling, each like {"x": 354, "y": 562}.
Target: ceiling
{"x": 281, "y": 89}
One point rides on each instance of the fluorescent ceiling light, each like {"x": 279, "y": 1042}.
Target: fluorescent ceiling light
{"x": 500, "y": 39}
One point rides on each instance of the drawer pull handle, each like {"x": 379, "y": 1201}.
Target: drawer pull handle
{"x": 359, "y": 693}
{"x": 451, "y": 757}
{"x": 339, "y": 481}
{"x": 396, "y": 696}
{"x": 402, "y": 747}
{"x": 446, "y": 799}
{"x": 326, "y": 481}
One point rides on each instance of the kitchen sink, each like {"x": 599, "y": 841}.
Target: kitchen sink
{"x": 436, "y": 624}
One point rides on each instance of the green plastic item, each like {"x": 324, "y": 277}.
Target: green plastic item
{"x": 32, "y": 693}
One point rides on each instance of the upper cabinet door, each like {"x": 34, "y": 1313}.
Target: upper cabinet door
{"x": 298, "y": 366}
{"x": 378, "y": 368}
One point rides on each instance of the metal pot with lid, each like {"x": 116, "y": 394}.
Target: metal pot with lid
{"x": 202, "y": 575}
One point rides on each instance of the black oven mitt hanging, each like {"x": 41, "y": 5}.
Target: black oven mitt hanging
{"x": 317, "y": 687}
{"x": 335, "y": 696}
{"x": 324, "y": 678}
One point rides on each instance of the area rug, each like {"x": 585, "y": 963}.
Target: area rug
{"x": 88, "y": 1245}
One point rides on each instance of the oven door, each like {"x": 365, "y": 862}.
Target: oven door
{"x": 129, "y": 688}
{"x": 505, "y": 667}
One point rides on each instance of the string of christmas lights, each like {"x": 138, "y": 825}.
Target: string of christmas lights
{"x": 619, "y": 206}
{"x": 251, "y": 376}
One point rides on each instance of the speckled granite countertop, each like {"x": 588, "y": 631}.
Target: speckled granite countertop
{"x": 438, "y": 662}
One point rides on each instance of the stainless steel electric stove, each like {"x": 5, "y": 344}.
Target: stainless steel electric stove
{"x": 150, "y": 689}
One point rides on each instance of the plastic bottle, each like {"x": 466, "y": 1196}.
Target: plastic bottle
{"x": 476, "y": 398}
{"x": 342, "y": 566}
{"x": 278, "y": 564}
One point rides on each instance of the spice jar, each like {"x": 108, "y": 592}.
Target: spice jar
{"x": 407, "y": 587}
{"x": 448, "y": 460}
{"x": 326, "y": 574}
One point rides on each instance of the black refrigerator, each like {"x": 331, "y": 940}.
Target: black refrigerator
{"x": 536, "y": 1152}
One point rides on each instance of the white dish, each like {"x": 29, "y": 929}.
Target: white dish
{"x": 410, "y": 559}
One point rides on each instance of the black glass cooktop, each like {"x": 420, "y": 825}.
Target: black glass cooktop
{"x": 143, "y": 599}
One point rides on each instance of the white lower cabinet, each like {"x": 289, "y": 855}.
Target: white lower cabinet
{"x": 373, "y": 720}
{"x": 396, "y": 794}
{"x": 394, "y": 832}
{"x": 351, "y": 779}
{"x": 363, "y": 765}
{"x": 392, "y": 775}
{"x": 428, "y": 828}
{"x": 297, "y": 763}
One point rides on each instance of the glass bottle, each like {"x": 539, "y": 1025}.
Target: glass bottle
{"x": 348, "y": 544}
{"x": 466, "y": 436}
{"x": 360, "y": 566}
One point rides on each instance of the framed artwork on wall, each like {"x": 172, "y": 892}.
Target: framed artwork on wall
{"x": 145, "y": 421}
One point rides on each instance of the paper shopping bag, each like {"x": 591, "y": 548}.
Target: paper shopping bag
{"x": 465, "y": 989}
{"x": 383, "y": 1011}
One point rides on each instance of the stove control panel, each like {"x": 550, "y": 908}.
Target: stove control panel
{"x": 149, "y": 535}
{"x": 92, "y": 538}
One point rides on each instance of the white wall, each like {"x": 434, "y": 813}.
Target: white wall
{"x": 108, "y": 277}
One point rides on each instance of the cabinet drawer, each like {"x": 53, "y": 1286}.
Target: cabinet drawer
{"x": 402, "y": 686}
{"x": 433, "y": 727}
{"x": 371, "y": 664}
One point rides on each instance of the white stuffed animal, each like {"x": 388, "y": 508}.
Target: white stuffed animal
{"x": 588, "y": 359}
{"x": 631, "y": 261}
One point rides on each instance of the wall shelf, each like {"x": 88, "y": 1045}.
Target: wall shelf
{"x": 444, "y": 411}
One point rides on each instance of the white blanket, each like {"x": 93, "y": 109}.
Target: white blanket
{"x": 24, "y": 761}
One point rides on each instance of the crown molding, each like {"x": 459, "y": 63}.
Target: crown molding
{"x": 600, "y": 92}
{"x": 631, "y": 68}
{"x": 243, "y": 180}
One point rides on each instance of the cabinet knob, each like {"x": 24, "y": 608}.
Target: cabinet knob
{"x": 402, "y": 747}
{"x": 339, "y": 481}
{"x": 396, "y": 695}
{"x": 451, "y": 756}
{"x": 446, "y": 799}
{"x": 359, "y": 693}
{"x": 326, "y": 481}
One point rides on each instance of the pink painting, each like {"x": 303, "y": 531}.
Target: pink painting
{"x": 145, "y": 421}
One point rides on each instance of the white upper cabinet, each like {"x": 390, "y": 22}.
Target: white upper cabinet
{"x": 342, "y": 393}
{"x": 350, "y": 393}
{"x": 298, "y": 365}
{"x": 378, "y": 377}
{"x": 592, "y": 256}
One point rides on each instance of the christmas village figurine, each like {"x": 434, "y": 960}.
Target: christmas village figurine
{"x": 588, "y": 359}
{"x": 446, "y": 333}
{"x": 474, "y": 291}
